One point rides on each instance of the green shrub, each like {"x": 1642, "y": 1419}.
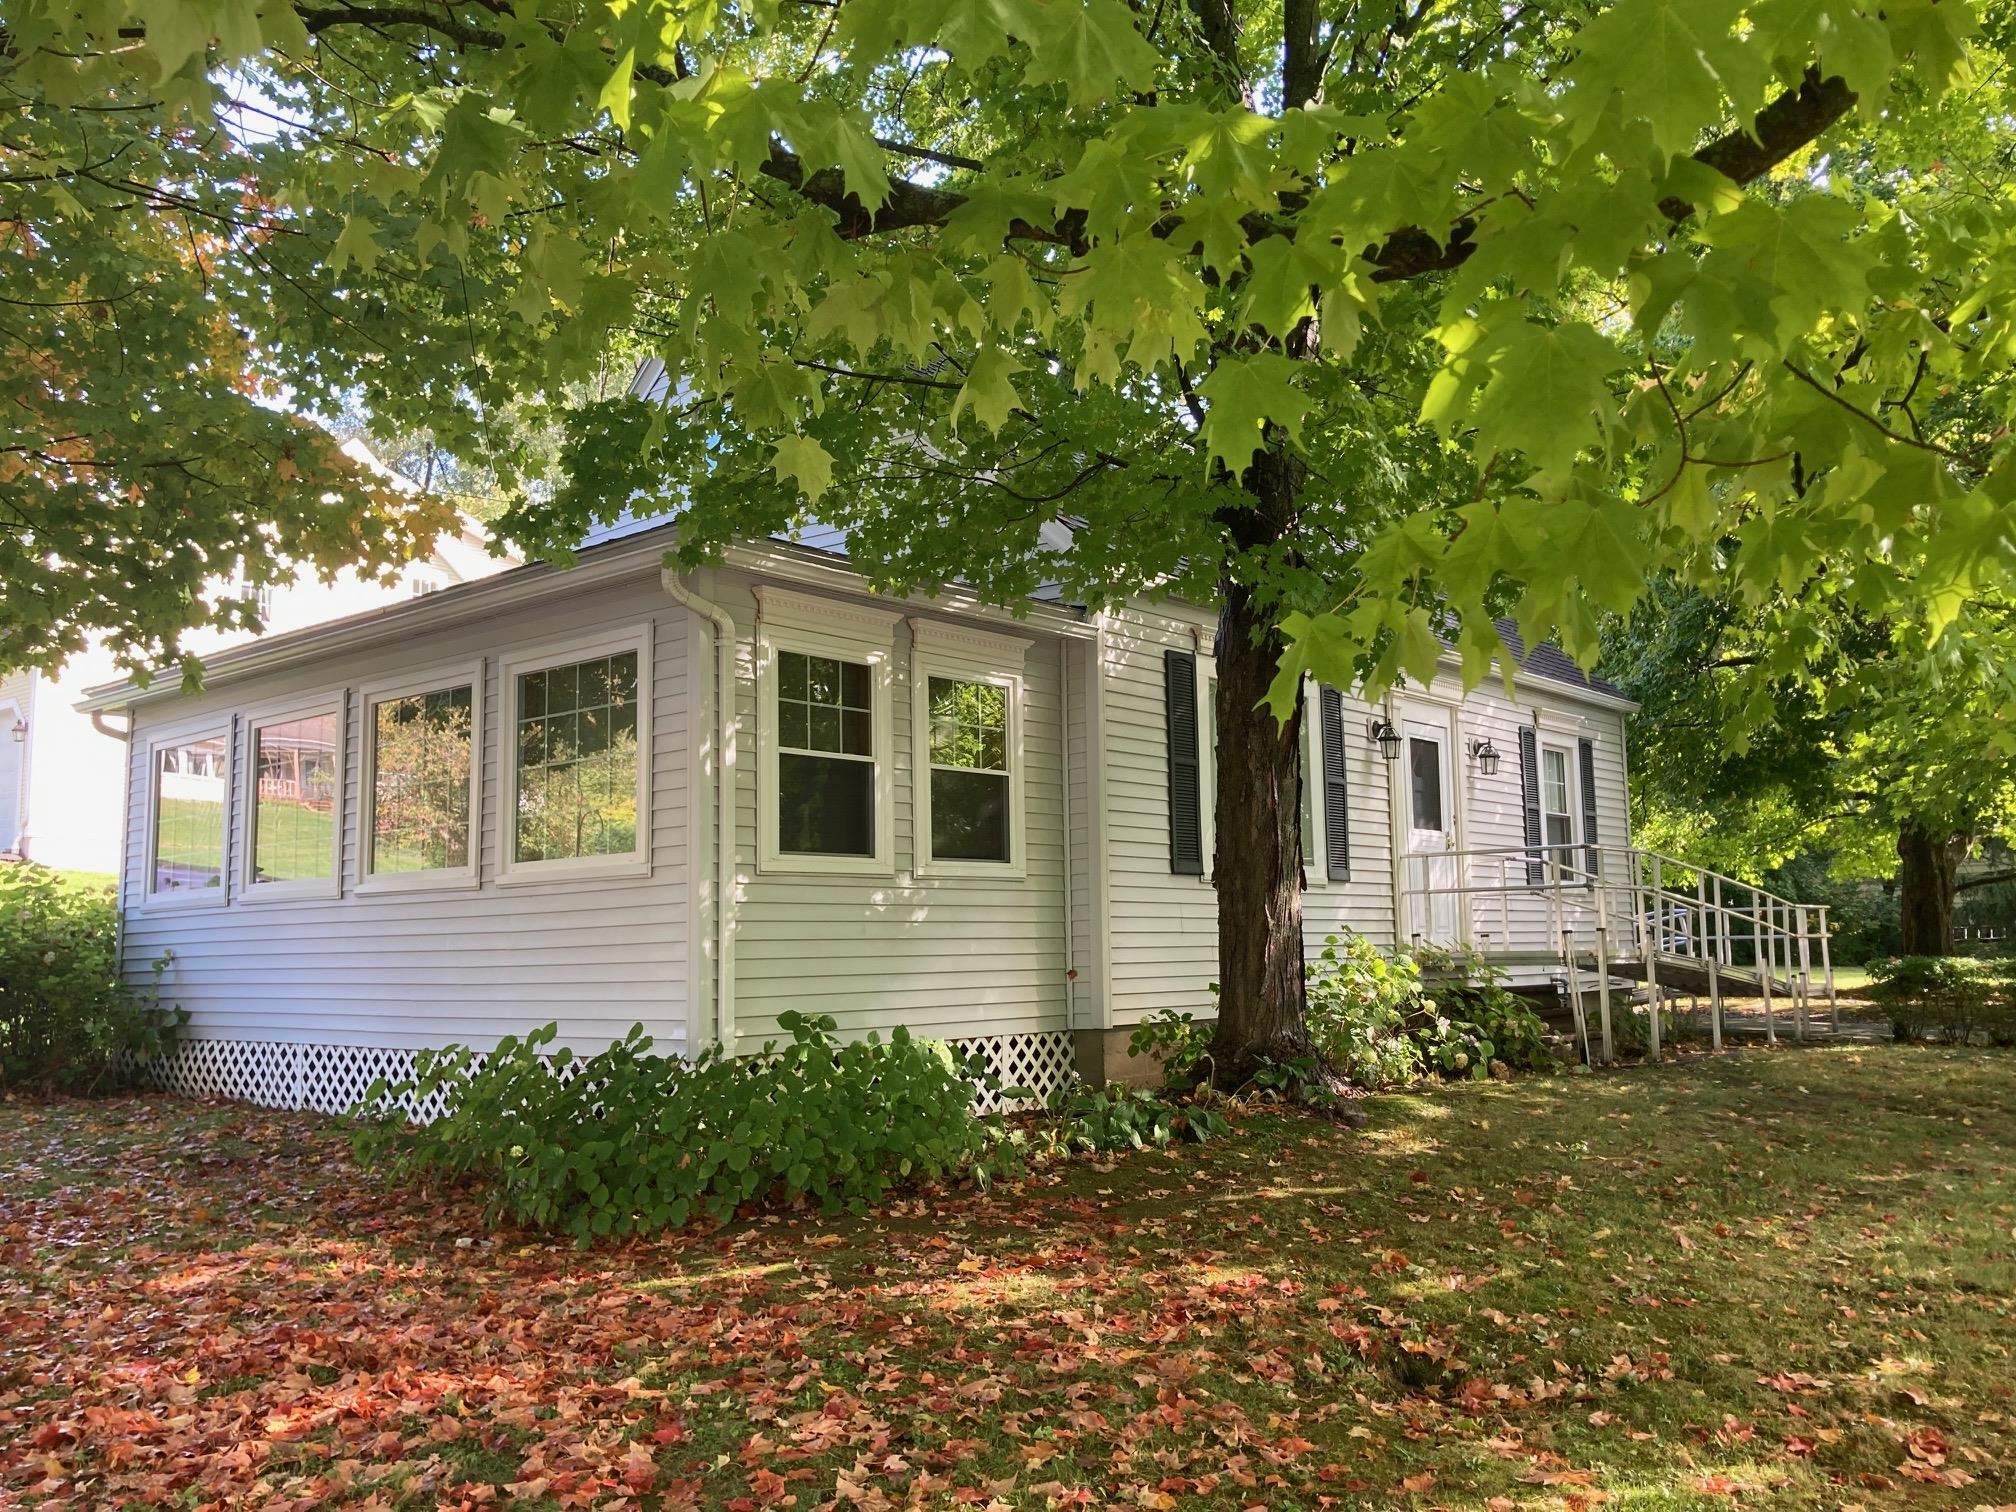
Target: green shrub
{"x": 627, "y": 1141}
{"x": 1360, "y": 1002}
{"x": 67, "y": 1021}
{"x": 1116, "y": 1118}
{"x": 1177, "y": 1041}
{"x": 1945, "y": 998}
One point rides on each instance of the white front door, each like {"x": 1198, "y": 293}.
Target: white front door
{"x": 1429, "y": 825}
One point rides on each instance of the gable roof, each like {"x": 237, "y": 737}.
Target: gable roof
{"x": 1549, "y": 661}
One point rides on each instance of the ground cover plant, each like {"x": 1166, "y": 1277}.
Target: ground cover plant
{"x": 1769, "y": 1279}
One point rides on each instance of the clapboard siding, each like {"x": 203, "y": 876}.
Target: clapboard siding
{"x": 944, "y": 956}
{"x": 412, "y": 969}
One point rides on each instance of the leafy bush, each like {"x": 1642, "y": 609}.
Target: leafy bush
{"x": 1176, "y": 1040}
{"x": 1945, "y": 998}
{"x": 1114, "y": 1118}
{"x": 1360, "y": 1003}
{"x": 627, "y": 1141}
{"x": 67, "y": 1021}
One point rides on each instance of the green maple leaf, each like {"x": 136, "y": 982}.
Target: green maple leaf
{"x": 1285, "y": 275}
{"x": 1245, "y": 396}
{"x": 1661, "y": 58}
{"x": 806, "y": 462}
{"x": 1091, "y": 48}
{"x": 989, "y": 390}
{"x": 356, "y": 244}
{"x": 1547, "y": 390}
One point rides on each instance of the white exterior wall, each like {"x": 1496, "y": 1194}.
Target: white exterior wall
{"x": 1164, "y": 925}
{"x": 17, "y": 702}
{"x": 411, "y": 969}
{"x": 946, "y": 956}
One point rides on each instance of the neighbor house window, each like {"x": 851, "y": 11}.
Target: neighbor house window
{"x": 825, "y": 756}
{"x": 967, "y": 749}
{"x": 421, "y": 785}
{"x": 824, "y": 679}
{"x": 1556, "y": 816}
{"x": 189, "y": 794}
{"x": 294, "y": 800}
{"x": 577, "y": 760}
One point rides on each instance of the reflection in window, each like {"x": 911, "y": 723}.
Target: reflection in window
{"x": 294, "y": 814}
{"x": 1554, "y": 798}
{"x": 189, "y": 815}
{"x": 1424, "y": 765}
{"x": 577, "y": 760}
{"x": 825, "y": 756}
{"x": 969, "y": 770}
{"x": 421, "y": 747}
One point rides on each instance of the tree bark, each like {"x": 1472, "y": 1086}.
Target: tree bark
{"x": 1929, "y": 865}
{"x": 1258, "y": 866}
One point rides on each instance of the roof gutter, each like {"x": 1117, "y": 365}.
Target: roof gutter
{"x": 723, "y": 736}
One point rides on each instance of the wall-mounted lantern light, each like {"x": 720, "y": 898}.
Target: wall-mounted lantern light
{"x": 1485, "y": 755}
{"x": 20, "y": 731}
{"x": 1381, "y": 733}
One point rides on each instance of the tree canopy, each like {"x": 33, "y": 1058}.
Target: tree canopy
{"x": 973, "y": 266}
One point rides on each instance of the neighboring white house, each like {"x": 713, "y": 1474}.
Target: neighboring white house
{"x": 56, "y": 769}
{"x": 611, "y": 794}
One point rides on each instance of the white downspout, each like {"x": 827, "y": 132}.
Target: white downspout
{"x": 1070, "y": 860}
{"x": 724, "y": 803}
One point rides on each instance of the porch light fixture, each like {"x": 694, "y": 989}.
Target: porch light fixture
{"x": 20, "y": 731}
{"x": 1485, "y": 755}
{"x": 1382, "y": 734}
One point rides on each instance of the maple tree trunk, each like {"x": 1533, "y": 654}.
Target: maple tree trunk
{"x": 1929, "y": 866}
{"x": 1258, "y": 867}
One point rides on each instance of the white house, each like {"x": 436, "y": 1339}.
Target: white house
{"x": 612, "y": 794}
{"x": 55, "y": 768}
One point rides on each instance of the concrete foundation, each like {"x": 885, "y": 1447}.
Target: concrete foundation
{"x": 1103, "y": 1059}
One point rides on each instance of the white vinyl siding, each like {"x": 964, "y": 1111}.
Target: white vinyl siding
{"x": 426, "y": 966}
{"x": 948, "y": 956}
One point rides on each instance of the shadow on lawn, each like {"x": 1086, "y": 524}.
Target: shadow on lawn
{"x": 1783, "y": 1271}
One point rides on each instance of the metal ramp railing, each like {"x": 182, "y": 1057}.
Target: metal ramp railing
{"x": 1621, "y": 912}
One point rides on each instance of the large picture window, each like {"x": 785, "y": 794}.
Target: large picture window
{"x": 419, "y": 819}
{"x": 970, "y": 770}
{"x": 825, "y": 756}
{"x": 576, "y": 760}
{"x": 190, "y": 788}
{"x": 294, "y": 806}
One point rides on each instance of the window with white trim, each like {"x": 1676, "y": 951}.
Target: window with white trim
{"x": 576, "y": 734}
{"x": 420, "y": 785}
{"x": 824, "y": 680}
{"x": 966, "y": 749}
{"x": 575, "y": 752}
{"x": 189, "y": 796}
{"x": 1556, "y": 815}
{"x": 294, "y": 801}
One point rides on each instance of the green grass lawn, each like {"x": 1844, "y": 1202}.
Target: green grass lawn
{"x": 1770, "y": 1279}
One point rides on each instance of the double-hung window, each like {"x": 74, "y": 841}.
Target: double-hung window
{"x": 417, "y": 823}
{"x": 966, "y": 719}
{"x": 1556, "y": 814}
{"x": 188, "y": 796}
{"x": 823, "y": 685}
{"x": 577, "y": 758}
{"x": 294, "y": 801}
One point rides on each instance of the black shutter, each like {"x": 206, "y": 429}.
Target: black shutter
{"x": 1186, "y": 822}
{"x": 1586, "y": 756}
{"x": 1336, "y": 792}
{"x": 1529, "y": 789}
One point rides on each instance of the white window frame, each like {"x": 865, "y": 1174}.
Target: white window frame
{"x": 369, "y": 696}
{"x": 560, "y": 653}
{"x": 250, "y": 889}
{"x": 1315, "y": 821}
{"x": 213, "y": 727}
{"x": 975, "y": 656}
{"x": 1573, "y": 796}
{"x": 788, "y": 621}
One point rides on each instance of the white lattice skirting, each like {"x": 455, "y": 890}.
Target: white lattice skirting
{"x": 333, "y": 1078}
